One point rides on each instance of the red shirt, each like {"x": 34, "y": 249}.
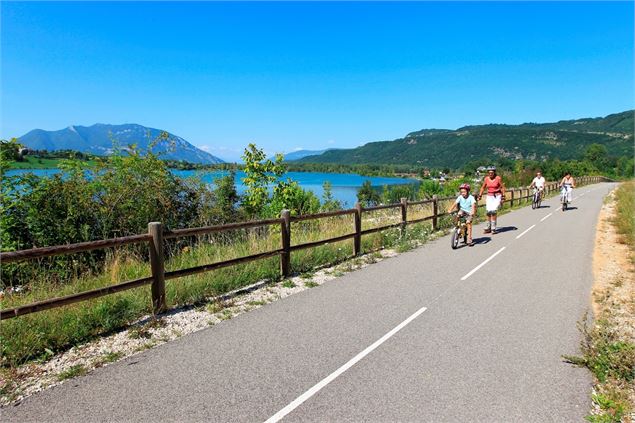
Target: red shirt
{"x": 493, "y": 185}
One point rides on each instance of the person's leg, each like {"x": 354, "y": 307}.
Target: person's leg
{"x": 495, "y": 204}
{"x": 488, "y": 208}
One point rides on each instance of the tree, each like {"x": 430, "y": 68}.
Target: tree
{"x": 625, "y": 167}
{"x": 289, "y": 195}
{"x": 394, "y": 194}
{"x": 10, "y": 150}
{"x": 597, "y": 154}
{"x": 260, "y": 172}
{"x": 328, "y": 202}
{"x": 367, "y": 196}
{"x": 226, "y": 198}
{"x": 429, "y": 188}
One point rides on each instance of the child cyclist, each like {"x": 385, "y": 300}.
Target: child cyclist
{"x": 466, "y": 205}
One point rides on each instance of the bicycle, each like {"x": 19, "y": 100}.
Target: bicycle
{"x": 459, "y": 231}
{"x": 564, "y": 198}
{"x": 537, "y": 199}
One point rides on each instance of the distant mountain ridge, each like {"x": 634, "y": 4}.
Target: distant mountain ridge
{"x": 566, "y": 139}
{"x": 297, "y": 155}
{"x": 102, "y": 139}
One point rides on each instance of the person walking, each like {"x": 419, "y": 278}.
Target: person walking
{"x": 493, "y": 183}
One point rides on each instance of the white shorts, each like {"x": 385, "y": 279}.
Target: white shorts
{"x": 492, "y": 203}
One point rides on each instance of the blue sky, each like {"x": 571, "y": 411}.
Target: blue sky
{"x": 310, "y": 75}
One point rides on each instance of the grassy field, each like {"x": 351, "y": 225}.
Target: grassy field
{"x": 31, "y": 162}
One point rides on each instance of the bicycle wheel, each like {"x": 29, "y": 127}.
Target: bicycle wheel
{"x": 455, "y": 239}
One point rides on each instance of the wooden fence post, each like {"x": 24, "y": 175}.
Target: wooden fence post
{"x": 357, "y": 239}
{"x": 285, "y": 232}
{"x": 435, "y": 212}
{"x": 404, "y": 215}
{"x": 511, "y": 201}
{"x": 157, "y": 264}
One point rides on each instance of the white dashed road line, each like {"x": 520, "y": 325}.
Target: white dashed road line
{"x": 526, "y": 230}
{"x": 308, "y": 394}
{"x": 482, "y": 264}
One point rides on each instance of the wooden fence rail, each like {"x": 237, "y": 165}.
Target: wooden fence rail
{"x": 156, "y": 236}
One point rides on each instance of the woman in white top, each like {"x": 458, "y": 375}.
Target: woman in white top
{"x": 568, "y": 183}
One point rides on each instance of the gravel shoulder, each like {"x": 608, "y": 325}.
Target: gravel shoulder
{"x": 614, "y": 273}
{"x": 613, "y": 302}
{"x": 149, "y": 332}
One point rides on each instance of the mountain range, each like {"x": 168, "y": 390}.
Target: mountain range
{"x": 300, "y": 154}
{"x": 565, "y": 140}
{"x": 101, "y": 139}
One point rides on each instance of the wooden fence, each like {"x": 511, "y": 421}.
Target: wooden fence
{"x": 157, "y": 234}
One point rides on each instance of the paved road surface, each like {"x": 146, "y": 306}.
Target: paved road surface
{"x": 407, "y": 339}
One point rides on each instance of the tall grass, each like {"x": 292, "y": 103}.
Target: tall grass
{"x": 40, "y": 335}
{"x": 625, "y": 213}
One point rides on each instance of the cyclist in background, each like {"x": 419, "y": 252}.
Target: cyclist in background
{"x": 568, "y": 183}
{"x": 466, "y": 205}
{"x": 539, "y": 183}
{"x": 495, "y": 197}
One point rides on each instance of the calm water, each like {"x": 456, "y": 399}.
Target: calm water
{"x": 345, "y": 185}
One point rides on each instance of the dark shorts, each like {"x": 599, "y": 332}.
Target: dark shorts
{"x": 468, "y": 216}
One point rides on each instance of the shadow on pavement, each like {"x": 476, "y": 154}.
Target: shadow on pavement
{"x": 543, "y": 207}
{"x": 506, "y": 229}
{"x": 481, "y": 240}
{"x": 571, "y": 208}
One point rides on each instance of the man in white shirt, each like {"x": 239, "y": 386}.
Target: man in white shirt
{"x": 539, "y": 183}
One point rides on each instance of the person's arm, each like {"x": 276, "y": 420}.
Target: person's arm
{"x": 474, "y": 208}
{"x": 480, "y": 193}
{"x": 454, "y": 206}
{"x": 572, "y": 182}
{"x": 502, "y": 191}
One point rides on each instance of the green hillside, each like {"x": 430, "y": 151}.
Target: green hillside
{"x": 534, "y": 141}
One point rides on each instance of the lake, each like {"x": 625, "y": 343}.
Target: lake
{"x": 345, "y": 185}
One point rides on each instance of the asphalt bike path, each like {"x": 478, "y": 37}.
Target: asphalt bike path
{"x": 490, "y": 351}
{"x": 430, "y": 335}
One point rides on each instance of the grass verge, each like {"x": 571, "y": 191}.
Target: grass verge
{"x": 39, "y": 336}
{"x": 608, "y": 344}
{"x": 624, "y": 219}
